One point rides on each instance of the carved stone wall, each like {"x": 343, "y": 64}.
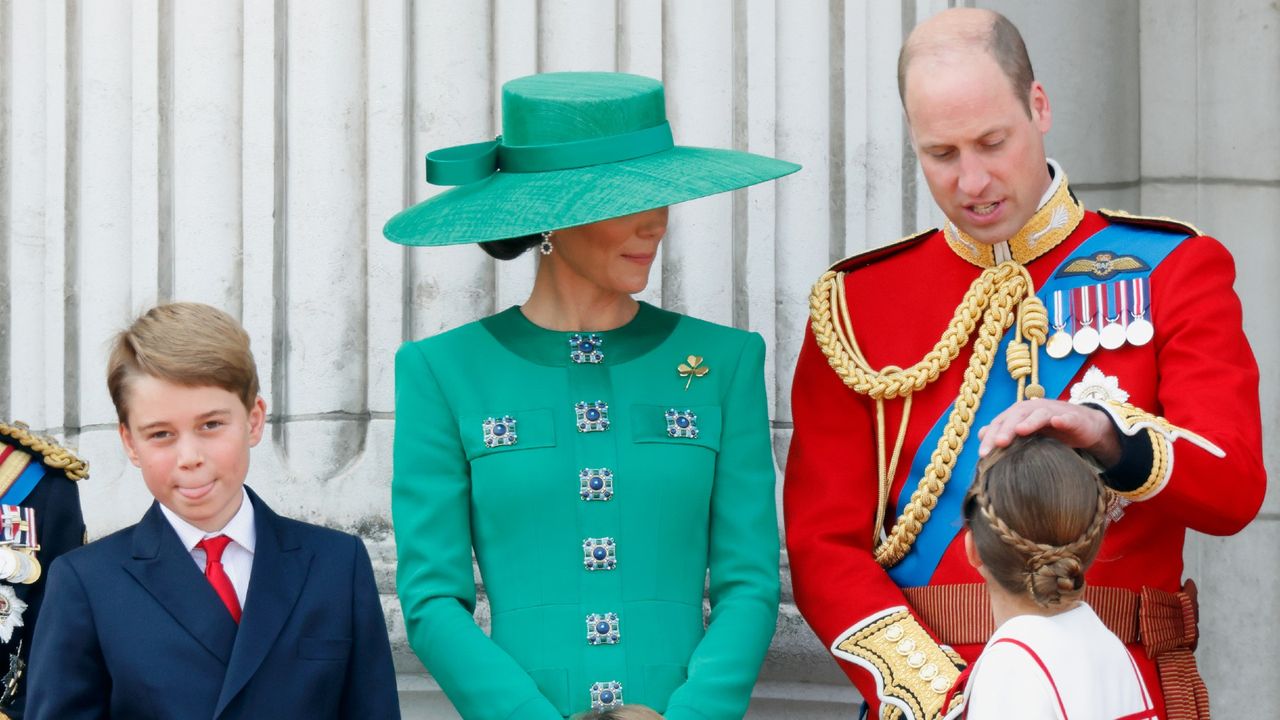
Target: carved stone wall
{"x": 246, "y": 153}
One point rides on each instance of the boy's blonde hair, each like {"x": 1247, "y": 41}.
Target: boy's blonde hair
{"x": 190, "y": 344}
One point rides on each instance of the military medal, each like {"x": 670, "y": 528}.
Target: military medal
{"x": 1140, "y": 330}
{"x": 18, "y": 526}
{"x": 1086, "y": 338}
{"x": 26, "y": 569}
{"x": 8, "y": 563}
{"x": 1059, "y": 344}
{"x": 11, "y": 607}
{"x": 1112, "y": 334}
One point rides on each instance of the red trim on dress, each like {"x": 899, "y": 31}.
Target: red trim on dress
{"x": 1056, "y": 695}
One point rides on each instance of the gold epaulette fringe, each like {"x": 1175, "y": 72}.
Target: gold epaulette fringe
{"x": 52, "y": 454}
{"x": 1155, "y": 221}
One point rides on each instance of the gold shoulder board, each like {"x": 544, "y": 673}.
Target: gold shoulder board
{"x": 1154, "y": 221}
{"x": 52, "y": 454}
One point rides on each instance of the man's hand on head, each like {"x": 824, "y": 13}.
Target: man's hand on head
{"x": 1079, "y": 426}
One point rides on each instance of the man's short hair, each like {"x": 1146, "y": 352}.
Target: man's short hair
{"x": 1003, "y": 41}
{"x": 189, "y": 344}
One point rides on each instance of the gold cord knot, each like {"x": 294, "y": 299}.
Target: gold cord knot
{"x": 1018, "y": 359}
{"x": 1034, "y": 319}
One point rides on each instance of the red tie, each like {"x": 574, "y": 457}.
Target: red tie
{"x": 217, "y": 575}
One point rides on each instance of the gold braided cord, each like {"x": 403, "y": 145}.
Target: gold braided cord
{"x": 998, "y": 297}
{"x": 53, "y": 455}
{"x": 887, "y": 468}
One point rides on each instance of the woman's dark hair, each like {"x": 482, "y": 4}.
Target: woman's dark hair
{"x": 1037, "y": 511}
{"x": 511, "y": 247}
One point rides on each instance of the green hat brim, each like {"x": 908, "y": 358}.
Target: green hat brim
{"x": 510, "y": 205}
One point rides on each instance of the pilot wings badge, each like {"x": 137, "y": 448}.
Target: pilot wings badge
{"x": 1103, "y": 265}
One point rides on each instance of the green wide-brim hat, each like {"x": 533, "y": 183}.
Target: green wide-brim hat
{"x": 575, "y": 148}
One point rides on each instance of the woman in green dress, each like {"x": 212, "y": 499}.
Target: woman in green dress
{"x": 599, "y": 455}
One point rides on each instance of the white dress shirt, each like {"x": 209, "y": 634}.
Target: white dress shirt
{"x": 237, "y": 559}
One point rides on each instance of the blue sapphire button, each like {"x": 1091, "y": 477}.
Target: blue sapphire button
{"x": 682, "y": 424}
{"x": 592, "y": 416}
{"x": 606, "y": 695}
{"x": 599, "y": 554}
{"x": 603, "y": 629}
{"x": 595, "y": 484}
{"x": 586, "y": 349}
{"x": 499, "y": 431}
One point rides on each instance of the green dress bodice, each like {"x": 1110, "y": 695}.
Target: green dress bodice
{"x": 597, "y": 486}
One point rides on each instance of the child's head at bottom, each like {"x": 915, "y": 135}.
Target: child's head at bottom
{"x": 1036, "y": 513}
{"x": 185, "y": 388}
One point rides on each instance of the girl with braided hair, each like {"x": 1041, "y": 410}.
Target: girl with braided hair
{"x": 1035, "y": 517}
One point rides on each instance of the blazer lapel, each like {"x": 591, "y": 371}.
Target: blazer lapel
{"x": 163, "y": 567}
{"x": 280, "y": 567}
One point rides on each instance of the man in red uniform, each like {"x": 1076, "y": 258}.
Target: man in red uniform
{"x": 1025, "y": 313}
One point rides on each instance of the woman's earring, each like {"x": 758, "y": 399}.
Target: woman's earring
{"x": 545, "y": 247}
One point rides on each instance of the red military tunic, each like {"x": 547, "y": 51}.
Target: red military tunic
{"x": 1198, "y": 373}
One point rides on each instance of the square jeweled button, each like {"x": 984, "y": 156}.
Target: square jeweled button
{"x": 682, "y": 424}
{"x": 593, "y": 416}
{"x": 599, "y": 554}
{"x": 602, "y": 629}
{"x": 595, "y": 484}
{"x": 606, "y": 695}
{"x": 585, "y": 348}
{"x": 500, "y": 431}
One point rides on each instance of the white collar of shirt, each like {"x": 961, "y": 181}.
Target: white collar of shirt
{"x": 237, "y": 559}
{"x": 240, "y": 528}
{"x": 1055, "y": 170}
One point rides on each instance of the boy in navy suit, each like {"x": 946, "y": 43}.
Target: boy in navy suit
{"x": 212, "y": 606}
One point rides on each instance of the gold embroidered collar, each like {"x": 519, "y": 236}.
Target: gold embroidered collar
{"x": 1056, "y": 219}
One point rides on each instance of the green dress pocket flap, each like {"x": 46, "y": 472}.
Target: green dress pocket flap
{"x": 679, "y": 425}
{"x": 506, "y": 432}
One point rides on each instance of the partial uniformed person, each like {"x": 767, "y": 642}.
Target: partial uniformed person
{"x": 40, "y": 519}
{"x": 600, "y": 455}
{"x": 1024, "y": 313}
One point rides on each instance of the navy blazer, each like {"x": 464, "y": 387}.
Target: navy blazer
{"x": 131, "y": 629}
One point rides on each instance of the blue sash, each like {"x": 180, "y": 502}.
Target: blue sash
{"x": 24, "y": 483}
{"x": 946, "y": 521}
